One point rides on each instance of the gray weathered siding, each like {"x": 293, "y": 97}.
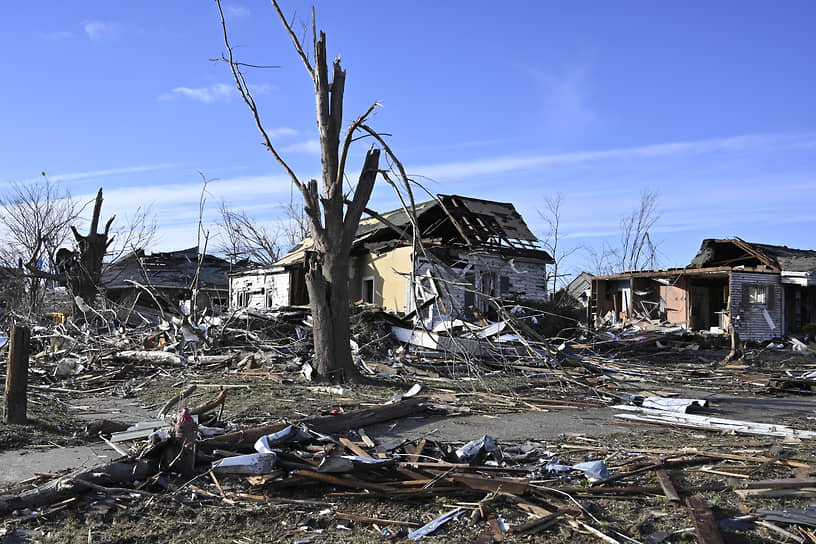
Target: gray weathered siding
{"x": 749, "y": 319}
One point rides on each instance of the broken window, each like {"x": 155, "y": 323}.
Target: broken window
{"x": 368, "y": 289}
{"x": 757, "y": 294}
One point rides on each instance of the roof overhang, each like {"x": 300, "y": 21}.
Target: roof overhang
{"x": 723, "y": 271}
{"x": 802, "y": 279}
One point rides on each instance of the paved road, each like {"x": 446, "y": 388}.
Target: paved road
{"x": 507, "y": 428}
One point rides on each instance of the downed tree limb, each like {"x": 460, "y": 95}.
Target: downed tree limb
{"x": 143, "y": 356}
{"x": 173, "y": 401}
{"x": 326, "y": 424}
{"x": 76, "y": 484}
{"x": 210, "y": 405}
{"x": 104, "y": 426}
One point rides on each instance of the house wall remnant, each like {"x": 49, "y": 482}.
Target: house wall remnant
{"x": 260, "y": 289}
{"x": 457, "y": 287}
{"x": 676, "y": 302}
{"x": 756, "y": 305}
{"x": 389, "y": 271}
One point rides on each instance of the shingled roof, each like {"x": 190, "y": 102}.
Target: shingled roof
{"x": 736, "y": 252}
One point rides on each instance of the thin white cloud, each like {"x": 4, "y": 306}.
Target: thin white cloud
{"x": 281, "y": 132}
{"x": 182, "y": 199}
{"x": 220, "y": 92}
{"x": 110, "y": 172}
{"x": 309, "y": 146}
{"x": 56, "y": 35}
{"x": 102, "y": 30}
{"x": 234, "y": 10}
{"x": 262, "y": 88}
{"x": 465, "y": 169}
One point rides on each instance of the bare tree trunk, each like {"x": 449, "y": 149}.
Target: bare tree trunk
{"x": 329, "y": 300}
{"x": 736, "y": 346}
{"x": 86, "y": 273}
{"x": 332, "y": 219}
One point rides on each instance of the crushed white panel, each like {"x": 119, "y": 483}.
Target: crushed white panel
{"x": 768, "y": 319}
{"x": 680, "y": 406}
{"x": 695, "y": 421}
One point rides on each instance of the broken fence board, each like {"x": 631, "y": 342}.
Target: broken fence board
{"x": 667, "y": 485}
{"x": 706, "y": 526}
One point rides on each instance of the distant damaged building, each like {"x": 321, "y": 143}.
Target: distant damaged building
{"x": 162, "y": 279}
{"x": 471, "y": 251}
{"x": 765, "y": 291}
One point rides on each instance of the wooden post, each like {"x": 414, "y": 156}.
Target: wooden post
{"x": 17, "y": 376}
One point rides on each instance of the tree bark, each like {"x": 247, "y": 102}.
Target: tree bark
{"x": 331, "y": 223}
{"x": 66, "y": 487}
{"x": 85, "y": 275}
{"x": 17, "y": 377}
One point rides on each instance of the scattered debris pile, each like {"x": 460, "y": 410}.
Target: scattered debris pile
{"x": 482, "y": 490}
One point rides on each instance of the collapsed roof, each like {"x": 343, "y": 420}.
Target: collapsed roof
{"x": 454, "y": 220}
{"x": 737, "y": 252}
{"x": 167, "y": 270}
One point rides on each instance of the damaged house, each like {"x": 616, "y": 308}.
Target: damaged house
{"x": 471, "y": 251}
{"x": 168, "y": 277}
{"x": 765, "y": 291}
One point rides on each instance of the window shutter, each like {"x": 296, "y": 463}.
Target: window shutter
{"x": 746, "y": 291}
{"x": 771, "y": 302}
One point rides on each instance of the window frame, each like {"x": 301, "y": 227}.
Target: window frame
{"x": 754, "y": 290}
{"x": 364, "y": 291}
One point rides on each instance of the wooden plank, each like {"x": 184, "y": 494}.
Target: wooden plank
{"x": 782, "y": 483}
{"x": 326, "y": 425}
{"x": 513, "y": 486}
{"x": 357, "y": 450}
{"x": 347, "y": 481}
{"x": 667, "y": 485}
{"x": 493, "y": 520}
{"x": 707, "y": 531}
{"x": 414, "y": 451}
{"x": 539, "y": 524}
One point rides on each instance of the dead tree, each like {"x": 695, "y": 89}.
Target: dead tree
{"x": 242, "y": 237}
{"x": 82, "y": 269}
{"x": 637, "y": 251}
{"x": 331, "y": 222}
{"x": 552, "y": 215}
{"x": 35, "y": 217}
{"x": 86, "y": 274}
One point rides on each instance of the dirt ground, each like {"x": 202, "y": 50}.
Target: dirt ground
{"x": 563, "y": 413}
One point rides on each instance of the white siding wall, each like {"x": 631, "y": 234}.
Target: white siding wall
{"x": 260, "y": 290}
{"x": 490, "y": 274}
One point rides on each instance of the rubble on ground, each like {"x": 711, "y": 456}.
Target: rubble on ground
{"x": 329, "y": 478}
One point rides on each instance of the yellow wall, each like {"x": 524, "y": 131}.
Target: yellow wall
{"x": 389, "y": 286}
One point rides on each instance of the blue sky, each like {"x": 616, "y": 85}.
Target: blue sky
{"x": 708, "y": 103}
